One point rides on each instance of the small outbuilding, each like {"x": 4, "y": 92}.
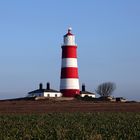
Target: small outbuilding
{"x": 120, "y": 99}
{"x": 84, "y": 93}
{"x": 48, "y": 92}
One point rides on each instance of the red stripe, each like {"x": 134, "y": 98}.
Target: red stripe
{"x": 69, "y": 52}
{"x": 70, "y": 92}
{"x": 69, "y": 72}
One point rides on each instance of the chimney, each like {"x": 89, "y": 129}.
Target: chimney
{"x": 40, "y": 86}
{"x": 48, "y": 86}
{"x": 83, "y": 87}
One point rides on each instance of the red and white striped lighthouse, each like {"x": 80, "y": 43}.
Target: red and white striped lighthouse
{"x": 69, "y": 84}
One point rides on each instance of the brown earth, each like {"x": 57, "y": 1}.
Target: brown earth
{"x": 47, "y": 106}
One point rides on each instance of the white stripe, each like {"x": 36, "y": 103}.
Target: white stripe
{"x": 69, "y": 83}
{"x": 69, "y": 62}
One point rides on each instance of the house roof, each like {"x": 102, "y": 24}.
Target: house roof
{"x": 42, "y": 90}
{"x": 50, "y": 90}
{"x": 86, "y": 92}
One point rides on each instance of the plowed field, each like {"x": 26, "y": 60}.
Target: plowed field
{"x": 46, "y": 106}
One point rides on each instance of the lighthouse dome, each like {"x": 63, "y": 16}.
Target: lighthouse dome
{"x": 69, "y": 32}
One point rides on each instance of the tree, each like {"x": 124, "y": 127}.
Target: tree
{"x": 106, "y": 89}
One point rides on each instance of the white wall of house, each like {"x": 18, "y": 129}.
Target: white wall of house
{"x": 90, "y": 95}
{"x": 46, "y": 94}
{"x": 52, "y": 94}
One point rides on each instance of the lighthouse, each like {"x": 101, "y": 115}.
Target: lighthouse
{"x": 69, "y": 83}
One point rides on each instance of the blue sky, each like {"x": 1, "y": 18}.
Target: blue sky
{"x": 107, "y": 33}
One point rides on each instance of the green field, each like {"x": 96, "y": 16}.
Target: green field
{"x": 75, "y": 126}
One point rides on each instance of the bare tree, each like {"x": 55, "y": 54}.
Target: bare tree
{"x": 106, "y": 89}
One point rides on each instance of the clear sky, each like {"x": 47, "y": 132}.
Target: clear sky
{"x": 107, "y": 33}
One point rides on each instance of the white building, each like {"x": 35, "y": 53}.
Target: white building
{"x": 48, "y": 92}
{"x": 84, "y": 93}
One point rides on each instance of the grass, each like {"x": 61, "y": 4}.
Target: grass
{"x": 74, "y": 126}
